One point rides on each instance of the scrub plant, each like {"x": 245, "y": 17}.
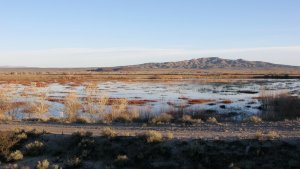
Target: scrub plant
{"x": 72, "y": 106}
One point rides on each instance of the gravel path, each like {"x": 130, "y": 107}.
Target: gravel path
{"x": 226, "y": 131}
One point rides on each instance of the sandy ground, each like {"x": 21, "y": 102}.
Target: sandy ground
{"x": 287, "y": 130}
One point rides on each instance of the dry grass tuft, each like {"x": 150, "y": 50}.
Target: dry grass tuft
{"x": 189, "y": 119}
{"x": 255, "y": 119}
{"x": 42, "y": 164}
{"x": 40, "y": 106}
{"x": 153, "y": 136}
{"x": 122, "y": 158}
{"x": 72, "y": 107}
{"x": 162, "y": 118}
{"x": 35, "y": 148}
{"x": 258, "y": 135}
{"x": 108, "y": 132}
{"x": 7, "y": 142}
{"x": 169, "y": 136}
{"x": 120, "y": 112}
{"x": 212, "y": 120}
{"x": 15, "y": 156}
{"x": 272, "y": 135}
{"x": 5, "y": 103}
{"x": 103, "y": 102}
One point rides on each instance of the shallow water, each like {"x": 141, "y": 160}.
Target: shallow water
{"x": 168, "y": 95}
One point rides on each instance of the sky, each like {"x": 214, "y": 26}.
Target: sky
{"x": 99, "y": 33}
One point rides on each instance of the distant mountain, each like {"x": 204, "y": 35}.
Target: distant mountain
{"x": 208, "y": 63}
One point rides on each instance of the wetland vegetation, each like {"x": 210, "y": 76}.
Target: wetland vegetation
{"x": 187, "y": 123}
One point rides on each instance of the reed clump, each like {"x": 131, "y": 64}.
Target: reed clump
{"x": 71, "y": 107}
{"x": 279, "y": 105}
{"x": 5, "y": 104}
{"x": 40, "y": 106}
{"x": 119, "y": 112}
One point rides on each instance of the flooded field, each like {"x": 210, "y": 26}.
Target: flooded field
{"x": 232, "y": 100}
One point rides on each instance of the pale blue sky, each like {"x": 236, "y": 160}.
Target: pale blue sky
{"x": 58, "y": 33}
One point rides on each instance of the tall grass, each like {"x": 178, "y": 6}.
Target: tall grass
{"x": 279, "y": 106}
{"x": 91, "y": 91}
{"x": 40, "y": 106}
{"x": 90, "y": 106}
{"x": 5, "y": 103}
{"x": 120, "y": 112}
{"x": 103, "y": 102}
{"x": 72, "y": 107}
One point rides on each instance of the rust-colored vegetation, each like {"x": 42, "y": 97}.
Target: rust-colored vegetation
{"x": 200, "y": 101}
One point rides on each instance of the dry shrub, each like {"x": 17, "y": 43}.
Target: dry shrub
{"x": 119, "y": 112}
{"x": 42, "y": 164}
{"x": 90, "y": 105}
{"x": 272, "y": 135}
{"x": 162, "y": 118}
{"x": 258, "y": 135}
{"x": 71, "y": 107}
{"x": 255, "y": 119}
{"x": 7, "y": 141}
{"x": 91, "y": 91}
{"x": 35, "y": 148}
{"x": 189, "y": 119}
{"x": 119, "y": 105}
{"x": 38, "y": 107}
{"x": 121, "y": 161}
{"x": 103, "y": 102}
{"x": 16, "y": 156}
{"x": 92, "y": 88}
{"x": 212, "y": 120}
{"x": 153, "y": 136}
{"x": 169, "y": 136}
{"x": 122, "y": 158}
{"x": 108, "y": 132}
{"x": 74, "y": 163}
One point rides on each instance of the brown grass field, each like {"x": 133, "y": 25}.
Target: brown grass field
{"x": 64, "y": 75}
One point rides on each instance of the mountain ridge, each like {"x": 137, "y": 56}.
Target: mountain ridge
{"x": 209, "y": 63}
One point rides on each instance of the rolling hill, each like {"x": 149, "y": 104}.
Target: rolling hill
{"x": 205, "y": 63}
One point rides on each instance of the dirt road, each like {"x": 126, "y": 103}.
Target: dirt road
{"x": 227, "y": 131}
